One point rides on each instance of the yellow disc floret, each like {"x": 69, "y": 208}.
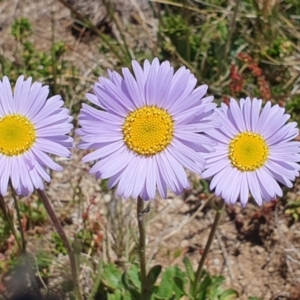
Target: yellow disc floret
{"x": 148, "y": 130}
{"x": 17, "y": 135}
{"x": 248, "y": 151}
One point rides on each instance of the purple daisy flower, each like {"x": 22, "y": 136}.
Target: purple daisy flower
{"x": 30, "y": 127}
{"x": 148, "y": 130}
{"x": 255, "y": 150}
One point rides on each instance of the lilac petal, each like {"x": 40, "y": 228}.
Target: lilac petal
{"x": 161, "y": 183}
{"x": 281, "y": 134}
{"x": 103, "y": 152}
{"x": 150, "y": 178}
{"x": 227, "y": 127}
{"x": 217, "y": 179}
{"x": 140, "y": 78}
{"x": 178, "y": 170}
{"x": 147, "y": 67}
{"x": 4, "y": 176}
{"x": 254, "y": 187}
{"x": 186, "y": 161}
{"x": 6, "y": 96}
{"x": 51, "y": 147}
{"x": 45, "y": 160}
{"x": 109, "y": 103}
{"x": 163, "y": 83}
{"x": 246, "y": 113}
{"x": 166, "y": 171}
{"x": 282, "y": 169}
{"x": 115, "y": 77}
{"x": 140, "y": 176}
{"x": 237, "y": 115}
{"x": 244, "y": 193}
{"x": 256, "y": 105}
{"x": 150, "y": 87}
{"x": 25, "y": 181}
{"x": 93, "y": 98}
{"x": 188, "y": 115}
{"x": 36, "y": 104}
{"x": 215, "y": 168}
{"x": 178, "y": 85}
{"x": 134, "y": 93}
{"x": 187, "y": 152}
{"x": 234, "y": 189}
{"x": 195, "y": 98}
{"x": 112, "y": 164}
{"x": 273, "y": 124}
{"x": 128, "y": 178}
{"x": 222, "y": 188}
{"x": 15, "y": 174}
{"x": 21, "y": 93}
{"x": 263, "y": 117}
{"x": 269, "y": 182}
{"x": 116, "y": 93}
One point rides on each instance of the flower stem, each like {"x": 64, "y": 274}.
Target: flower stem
{"x": 18, "y": 217}
{"x": 9, "y": 220}
{"x": 210, "y": 239}
{"x": 65, "y": 241}
{"x": 142, "y": 243}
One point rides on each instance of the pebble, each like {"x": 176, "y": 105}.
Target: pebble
{"x": 107, "y": 198}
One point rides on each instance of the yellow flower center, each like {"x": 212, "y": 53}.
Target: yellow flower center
{"x": 148, "y": 130}
{"x": 248, "y": 151}
{"x": 17, "y": 135}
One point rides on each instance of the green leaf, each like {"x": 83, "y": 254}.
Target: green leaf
{"x": 189, "y": 269}
{"x": 179, "y": 288}
{"x": 229, "y": 294}
{"x": 182, "y": 276}
{"x": 117, "y": 295}
{"x": 177, "y": 253}
{"x": 205, "y": 282}
{"x": 112, "y": 276}
{"x": 150, "y": 281}
{"x": 169, "y": 286}
{"x": 165, "y": 289}
{"x": 133, "y": 277}
{"x": 132, "y": 284}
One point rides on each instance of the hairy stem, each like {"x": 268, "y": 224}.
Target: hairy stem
{"x": 142, "y": 243}
{"x": 207, "y": 246}
{"x": 18, "y": 217}
{"x": 65, "y": 241}
{"x": 9, "y": 220}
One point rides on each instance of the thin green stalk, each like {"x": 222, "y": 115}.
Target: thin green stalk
{"x": 207, "y": 247}
{"x": 142, "y": 243}
{"x": 18, "y": 217}
{"x": 65, "y": 241}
